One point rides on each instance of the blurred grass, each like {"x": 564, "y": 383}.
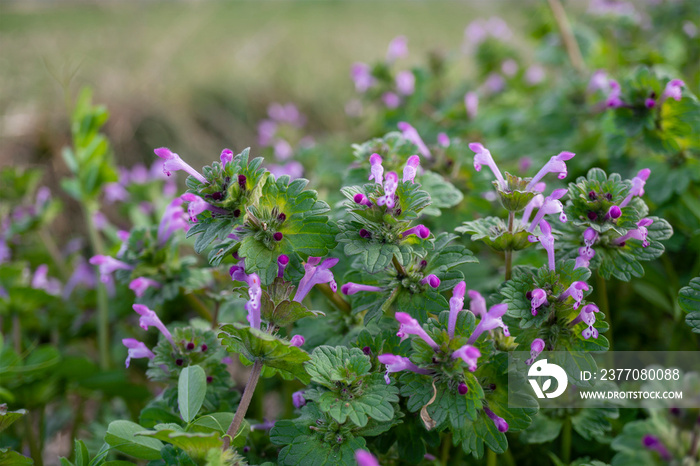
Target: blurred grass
{"x": 200, "y": 74}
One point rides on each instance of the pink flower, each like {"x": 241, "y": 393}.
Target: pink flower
{"x": 489, "y": 321}
{"x": 351, "y": 288}
{"x": 391, "y": 100}
{"x": 536, "y": 347}
{"x": 226, "y": 156}
{"x": 483, "y": 157}
{"x": 376, "y": 168}
{"x": 673, "y": 90}
{"x": 538, "y": 298}
{"x": 282, "y": 262}
{"x": 397, "y": 364}
{"x": 197, "y": 205}
{"x": 556, "y": 164}
{"x": 550, "y": 205}
{"x": 637, "y": 188}
{"x": 431, "y": 280}
{"x": 500, "y": 423}
{"x": 141, "y": 284}
{"x": 587, "y": 316}
{"x": 316, "y": 272}
{"x": 390, "y": 185}
{"x": 639, "y": 233}
{"x": 469, "y": 354}
{"x": 174, "y": 218}
{"x": 136, "y": 349}
{"x": 575, "y": 290}
{"x": 411, "y": 168}
{"x": 411, "y": 135}
{"x": 546, "y": 239}
{"x": 362, "y": 76}
{"x": 478, "y": 304}
{"x": 297, "y": 340}
{"x": 41, "y": 281}
{"x": 405, "y": 82}
{"x": 456, "y": 306}
{"x": 420, "y": 231}
{"x": 398, "y": 48}
{"x": 410, "y": 326}
{"x": 107, "y": 265}
{"x": 150, "y": 319}
{"x": 173, "y": 162}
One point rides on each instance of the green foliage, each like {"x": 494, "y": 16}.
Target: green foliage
{"x": 493, "y": 231}
{"x": 191, "y": 389}
{"x": 689, "y": 300}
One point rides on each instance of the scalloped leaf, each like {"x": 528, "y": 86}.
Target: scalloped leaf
{"x": 689, "y": 301}
{"x": 493, "y": 231}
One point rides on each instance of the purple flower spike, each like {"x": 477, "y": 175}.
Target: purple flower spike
{"x": 297, "y": 340}
{"x": 405, "y": 82}
{"x": 365, "y": 458}
{"x": 489, "y": 321}
{"x": 501, "y": 424}
{"x": 483, "y": 157}
{"x": 431, "y": 280}
{"x": 398, "y": 48}
{"x": 226, "y": 156}
{"x": 557, "y": 164}
{"x": 547, "y": 241}
{"x": 361, "y": 199}
{"x": 282, "y": 262}
{"x": 173, "y": 162}
{"x": 136, "y": 349}
{"x": 141, "y": 284}
{"x": 150, "y": 319}
{"x": 536, "y": 347}
{"x": 456, "y": 306}
{"x": 397, "y": 364}
{"x": 550, "y": 205}
{"x": 575, "y": 291}
{"x": 316, "y": 272}
{"x": 41, "y": 281}
{"x": 351, "y": 288}
{"x": 253, "y": 304}
{"x": 390, "y": 185}
{"x": 614, "y": 212}
{"x": 673, "y": 90}
{"x": 584, "y": 257}
{"x": 539, "y": 297}
{"x": 638, "y": 183}
{"x": 639, "y": 233}
{"x": 471, "y": 103}
{"x": 587, "y": 316}
{"x": 298, "y": 399}
{"x": 410, "y": 326}
{"x": 477, "y": 304}
{"x": 535, "y": 203}
{"x": 653, "y": 443}
{"x": 443, "y": 140}
{"x": 410, "y": 133}
{"x": 376, "y": 170}
{"x": 420, "y": 231}
{"x": 107, "y": 265}
{"x": 362, "y": 77}
{"x": 411, "y": 167}
{"x": 469, "y": 354}
{"x": 174, "y": 218}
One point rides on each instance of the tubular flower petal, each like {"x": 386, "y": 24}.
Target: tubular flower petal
{"x": 197, "y": 205}
{"x": 172, "y": 162}
{"x": 390, "y": 185}
{"x": 584, "y": 257}
{"x": 489, "y": 321}
{"x": 150, "y": 319}
{"x": 365, "y": 458}
{"x": 297, "y": 340}
{"x": 411, "y": 167}
{"x": 535, "y": 203}
{"x": 483, "y": 157}
{"x": 410, "y": 133}
{"x": 352, "y": 288}
{"x": 557, "y": 164}
{"x": 361, "y": 199}
{"x": 639, "y": 233}
{"x": 590, "y": 236}
{"x": 397, "y": 364}
{"x": 500, "y": 423}
{"x": 547, "y": 241}
{"x": 141, "y": 284}
{"x": 477, "y": 304}
{"x": 316, "y": 272}
{"x": 282, "y": 262}
{"x": 638, "y": 183}
{"x": 41, "y": 281}
{"x": 456, "y": 306}
{"x": 431, "y": 280}
{"x": 420, "y": 231}
{"x": 536, "y": 347}
{"x": 253, "y": 304}
{"x": 469, "y": 354}
{"x": 575, "y": 290}
{"x": 174, "y": 218}
{"x": 550, "y": 205}
{"x": 226, "y": 156}
{"x": 376, "y": 170}
{"x": 136, "y": 349}
{"x": 673, "y": 90}
{"x": 539, "y": 297}
{"x": 410, "y": 326}
{"x": 653, "y": 443}
{"x": 107, "y": 265}
{"x": 587, "y": 316}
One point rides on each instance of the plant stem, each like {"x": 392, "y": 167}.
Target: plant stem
{"x": 54, "y": 252}
{"x": 30, "y": 434}
{"x": 491, "y": 459}
{"x": 102, "y": 303}
{"x": 566, "y": 441}
{"x": 604, "y": 306}
{"x": 567, "y": 35}
{"x": 399, "y": 268}
{"x": 199, "y": 306}
{"x": 446, "y": 444}
{"x": 509, "y": 252}
{"x": 17, "y": 333}
{"x": 243, "y": 405}
{"x": 335, "y": 298}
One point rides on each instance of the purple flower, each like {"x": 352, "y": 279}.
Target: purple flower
{"x": 509, "y": 67}
{"x": 575, "y": 290}
{"x": 494, "y": 83}
{"x": 398, "y": 48}
{"x": 590, "y": 236}
{"x": 613, "y": 213}
{"x": 443, "y": 140}
{"x": 266, "y": 132}
{"x": 536, "y": 347}
{"x": 483, "y": 157}
{"x": 550, "y": 205}
{"x": 362, "y": 76}
{"x": 376, "y": 169}
{"x": 150, "y": 319}
{"x": 361, "y": 199}
{"x": 650, "y": 103}
{"x": 584, "y": 257}
{"x": 587, "y": 316}
{"x": 115, "y": 192}
{"x": 538, "y": 297}
{"x": 431, "y": 280}
{"x": 534, "y": 75}
{"x": 288, "y": 113}
{"x": 197, "y": 205}
{"x": 292, "y": 168}
{"x": 411, "y": 135}
{"x": 535, "y": 203}
{"x": 462, "y": 388}
{"x": 83, "y": 274}
{"x": 351, "y": 288}
{"x": 477, "y": 305}
{"x": 613, "y": 98}
{"x": 397, "y": 364}
{"x": 469, "y": 354}
{"x": 282, "y": 149}
{"x": 598, "y": 82}
{"x": 411, "y": 167}
{"x": 410, "y": 326}
{"x": 500, "y": 423}
{"x": 141, "y": 284}
{"x": 136, "y": 349}
{"x": 653, "y": 443}
{"x": 316, "y": 272}
{"x": 297, "y": 340}
{"x": 556, "y": 164}
{"x": 174, "y": 218}
{"x": 391, "y": 100}
{"x": 298, "y": 399}
{"x": 637, "y": 188}
{"x": 107, "y": 265}
{"x": 456, "y": 306}
{"x": 226, "y": 156}
{"x": 173, "y": 162}
{"x": 639, "y": 233}
{"x": 365, "y": 458}
{"x": 253, "y": 304}
{"x": 489, "y": 321}
{"x": 546, "y": 239}
{"x": 282, "y": 262}
{"x": 390, "y": 185}
{"x": 420, "y": 231}
{"x": 405, "y": 82}
{"x": 673, "y": 90}
{"x": 41, "y": 281}
{"x": 471, "y": 103}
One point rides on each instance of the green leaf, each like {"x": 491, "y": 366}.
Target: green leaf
{"x": 7, "y": 418}
{"x": 121, "y": 435}
{"x": 373, "y": 402}
{"x": 308, "y": 450}
{"x": 493, "y": 231}
{"x": 689, "y": 301}
{"x": 543, "y": 429}
{"x": 196, "y": 444}
{"x": 214, "y": 422}
{"x": 12, "y": 458}
{"x": 443, "y": 194}
{"x": 372, "y": 256}
{"x": 191, "y": 390}
{"x": 329, "y": 365}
